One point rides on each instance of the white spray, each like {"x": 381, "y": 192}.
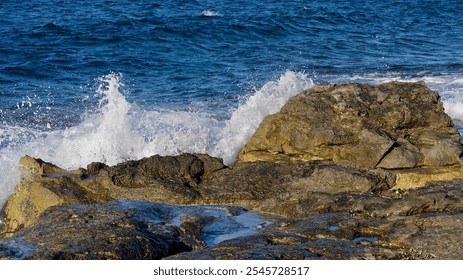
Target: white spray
{"x": 120, "y": 131}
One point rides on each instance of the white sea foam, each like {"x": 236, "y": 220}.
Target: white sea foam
{"x": 121, "y": 130}
{"x": 245, "y": 120}
{"x": 210, "y": 13}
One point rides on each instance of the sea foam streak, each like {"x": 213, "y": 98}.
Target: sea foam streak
{"x": 209, "y": 13}
{"x": 121, "y": 131}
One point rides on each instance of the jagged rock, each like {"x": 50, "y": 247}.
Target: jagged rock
{"x": 392, "y": 126}
{"x": 411, "y": 224}
{"x": 110, "y": 231}
{"x": 32, "y": 167}
{"x": 275, "y": 187}
{"x": 187, "y": 179}
{"x": 256, "y": 247}
{"x": 428, "y": 199}
{"x": 122, "y": 230}
{"x": 167, "y": 179}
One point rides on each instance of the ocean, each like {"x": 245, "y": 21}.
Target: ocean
{"x": 103, "y": 80}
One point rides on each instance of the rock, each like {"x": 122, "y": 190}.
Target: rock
{"x": 433, "y": 198}
{"x": 276, "y": 187}
{"x": 110, "y": 231}
{"x": 168, "y": 179}
{"x": 185, "y": 169}
{"x": 42, "y": 185}
{"x": 257, "y": 247}
{"x": 392, "y": 126}
{"x": 121, "y": 230}
{"x": 418, "y": 177}
{"x": 342, "y": 236}
{"x": 31, "y": 167}
{"x": 188, "y": 179}
{"x": 432, "y": 236}
{"x": 420, "y": 223}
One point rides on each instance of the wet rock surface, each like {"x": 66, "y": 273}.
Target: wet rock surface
{"x": 99, "y": 232}
{"x": 425, "y": 223}
{"x": 123, "y": 230}
{"x": 297, "y": 220}
{"x": 342, "y": 172}
{"x": 278, "y": 187}
{"x": 167, "y": 179}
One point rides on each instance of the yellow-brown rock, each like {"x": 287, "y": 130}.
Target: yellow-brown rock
{"x": 391, "y": 126}
{"x": 418, "y": 177}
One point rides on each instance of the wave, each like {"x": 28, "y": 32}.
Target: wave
{"x": 210, "y": 13}
{"x": 121, "y": 130}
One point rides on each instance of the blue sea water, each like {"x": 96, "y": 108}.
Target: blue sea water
{"x": 107, "y": 80}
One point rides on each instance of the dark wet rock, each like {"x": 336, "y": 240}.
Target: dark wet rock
{"x": 185, "y": 169}
{"x": 428, "y": 199}
{"x": 280, "y": 246}
{"x": 393, "y": 125}
{"x": 436, "y": 235}
{"x": 170, "y": 179}
{"x": 275, "y": 186}
{"x": 421, "y": 223}
{"x": 257, "y": 247}
{"x": 425, "y": 236}
{"x": 121, "y": 230}
{"x": 414, "y": 224}
{"x": 188, "y": 179}
{"x": 164, "y": 179}
{"x": 112, "y": 231}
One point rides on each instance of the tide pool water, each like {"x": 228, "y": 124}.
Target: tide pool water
{"x": 102, "y": 80}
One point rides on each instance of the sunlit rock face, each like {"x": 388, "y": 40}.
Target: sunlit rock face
{"x": 392, "y": 126}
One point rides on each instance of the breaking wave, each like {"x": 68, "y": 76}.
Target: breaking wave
{"x": 121, "y": 130}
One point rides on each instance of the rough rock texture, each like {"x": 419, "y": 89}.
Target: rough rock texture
{"x": 426, "y": 223}
{"x": 103, "y": 231}
{"x": 277, "y": 187}
{"x": 391, "y": 126}
{"x": 416, "y": 177}
{"x": 185, "y": 179}
{"x": 166, "y": 179}
{"x": 119, "y": 230}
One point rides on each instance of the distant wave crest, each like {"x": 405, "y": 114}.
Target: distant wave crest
{"x": 210, "y": 13}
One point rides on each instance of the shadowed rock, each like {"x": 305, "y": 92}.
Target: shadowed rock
{"x": 277, "y": 187}
{"x": 111, "y": 231}
{"x": 167, "y": 179}
{"x": 123, "y": 230}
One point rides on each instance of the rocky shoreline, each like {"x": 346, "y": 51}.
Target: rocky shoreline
{"x": 348, "y": 171}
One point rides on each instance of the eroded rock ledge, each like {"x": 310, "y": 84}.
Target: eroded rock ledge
{"x": 341, "y": 172}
